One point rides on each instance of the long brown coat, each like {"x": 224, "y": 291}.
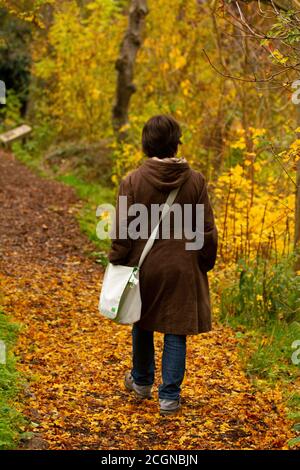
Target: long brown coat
{"x": 173, "y": 280}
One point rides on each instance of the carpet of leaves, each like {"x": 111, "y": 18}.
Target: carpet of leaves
{"x": 75, "y": 360}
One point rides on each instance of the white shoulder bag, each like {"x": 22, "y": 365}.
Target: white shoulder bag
{"x": 120, "y": 298}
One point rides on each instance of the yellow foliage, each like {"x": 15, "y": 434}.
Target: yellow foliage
{"x": 78, "y": 67}
{"x": 247, "y": 229}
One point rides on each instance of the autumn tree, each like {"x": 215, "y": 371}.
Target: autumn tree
{"x": 278, "y": 33}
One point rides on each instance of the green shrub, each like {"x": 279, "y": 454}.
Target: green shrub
{"x": 264, "y": 292}
{"x": 10, "y": 419}
{"x": 10, "y": 114}
{"x": 264, "y": 303}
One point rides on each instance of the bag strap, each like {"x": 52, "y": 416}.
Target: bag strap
{"x": 167, "y": 206}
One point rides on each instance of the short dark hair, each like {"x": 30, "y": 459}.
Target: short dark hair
{"x": 161, "y": 136}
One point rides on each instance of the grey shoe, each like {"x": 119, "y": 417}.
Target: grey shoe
{"x": 169, "y": 407}
{"x": 141, "y": 391}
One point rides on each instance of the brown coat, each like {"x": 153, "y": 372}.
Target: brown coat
{"x": 173, "y": 280}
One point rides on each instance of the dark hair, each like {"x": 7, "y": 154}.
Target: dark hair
{"x": 161, "y": 136}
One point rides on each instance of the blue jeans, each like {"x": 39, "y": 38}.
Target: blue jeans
{"x": 173, "y": 361}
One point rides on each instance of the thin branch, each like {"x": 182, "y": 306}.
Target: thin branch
{"x": 282, "y": 166}
{"x": 255, "y": 80}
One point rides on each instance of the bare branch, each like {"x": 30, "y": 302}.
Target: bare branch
{"x": 254, "y": 80}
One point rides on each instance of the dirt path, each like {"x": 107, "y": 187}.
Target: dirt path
{"x": 76, "y": 359}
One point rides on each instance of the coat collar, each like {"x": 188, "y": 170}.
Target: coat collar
{"x": 165, "y": 175}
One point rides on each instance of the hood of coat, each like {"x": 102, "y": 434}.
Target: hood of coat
{"x": 166, "y": 174}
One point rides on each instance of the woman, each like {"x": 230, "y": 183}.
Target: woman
{"x": 173, "y": 279}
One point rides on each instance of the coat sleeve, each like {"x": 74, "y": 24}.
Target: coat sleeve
{"x": 208, "y": 253}
{"x": 120, "y": 246}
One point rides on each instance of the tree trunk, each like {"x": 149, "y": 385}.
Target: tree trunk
{"x": 125, "y": 64}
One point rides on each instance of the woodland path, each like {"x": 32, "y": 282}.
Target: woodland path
{"x": 75, "y": 360}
